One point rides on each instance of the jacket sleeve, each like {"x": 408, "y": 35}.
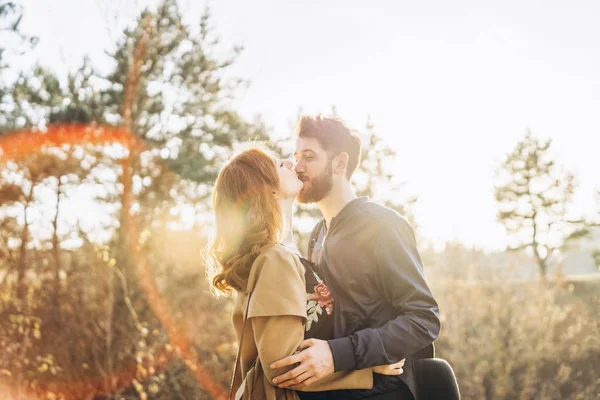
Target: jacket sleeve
{"x": 277, "y": 313}
{"x": 401, "y": 279}
{"x": 279, "y": 336}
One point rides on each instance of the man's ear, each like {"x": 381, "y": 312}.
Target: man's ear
{"x": 340, "y": 163}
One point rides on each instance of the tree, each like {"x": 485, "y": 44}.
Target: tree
{"x": 10, "y": 18}
{"x": 169, "y": 88}
{"x": 33, "y": 171}
{"x": 595, "y": 222}
{"x": 179, "y": 101}
{"x": 533, "y": 195}
{"x": 587, "y": 227}
{"x": 30, "y": 100}
{"x": 376, "y": 179}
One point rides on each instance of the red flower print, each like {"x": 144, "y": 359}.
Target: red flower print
{"x": 323, "y": 296}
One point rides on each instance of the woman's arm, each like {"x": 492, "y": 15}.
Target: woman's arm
{"x": 277, "y": 312}
{"x": 279, "y": 336}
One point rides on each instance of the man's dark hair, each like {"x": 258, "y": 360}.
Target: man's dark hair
{"x": 334, "y": 136}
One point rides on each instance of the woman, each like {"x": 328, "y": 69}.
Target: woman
{"x": 253, "y": 200}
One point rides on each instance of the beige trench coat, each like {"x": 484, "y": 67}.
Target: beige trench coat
{"x": 275, "y": 327}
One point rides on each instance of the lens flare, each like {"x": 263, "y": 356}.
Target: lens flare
{"x": 22, "y": 143}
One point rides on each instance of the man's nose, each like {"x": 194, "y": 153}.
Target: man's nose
{"x": 298, "y": 166}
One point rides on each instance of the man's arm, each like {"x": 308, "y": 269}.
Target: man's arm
{"x": 315, "y": 370}
{"x": 402, "y": 282}
{"x": 272, "y": 345}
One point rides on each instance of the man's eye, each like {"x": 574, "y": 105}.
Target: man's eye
{"x": 281, "y": 164}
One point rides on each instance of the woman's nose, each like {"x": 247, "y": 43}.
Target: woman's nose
{"x": 288, "y": 164}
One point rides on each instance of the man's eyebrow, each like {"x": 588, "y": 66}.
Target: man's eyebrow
{"x": 305, "y": 151}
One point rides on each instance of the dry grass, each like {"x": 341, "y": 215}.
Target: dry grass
{"x": 505, "y": 340}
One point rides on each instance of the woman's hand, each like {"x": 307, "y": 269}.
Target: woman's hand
{"x": 392, "y": 369}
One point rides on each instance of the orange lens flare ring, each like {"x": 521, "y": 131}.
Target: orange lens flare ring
{"x": 23, "y": 143}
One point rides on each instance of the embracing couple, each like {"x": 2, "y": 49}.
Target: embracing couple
{"x": 346, "y": 323}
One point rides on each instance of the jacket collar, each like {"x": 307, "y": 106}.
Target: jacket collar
{"x": 349, "y": 209}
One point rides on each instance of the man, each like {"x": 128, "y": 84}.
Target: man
{"x": 384, "y": 310}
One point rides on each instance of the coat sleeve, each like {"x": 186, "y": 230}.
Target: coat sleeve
{"x": 279, "y": 337}
{"x": 278, "y": 286}
{"x": 277, "y": 312}
{"x": 401, "y": 279}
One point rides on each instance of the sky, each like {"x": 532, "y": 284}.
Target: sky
{"x": 452, "y": 86}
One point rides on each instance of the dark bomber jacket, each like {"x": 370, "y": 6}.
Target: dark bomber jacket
{"x": 384, "y": 310}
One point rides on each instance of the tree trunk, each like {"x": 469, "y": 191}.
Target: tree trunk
{"x": 122, "y": 257}
{"x": 534, "y": 243}
{"x": 22, "y": 265}
{"x": 542, "y": 265}
{"x": 56, "y": 251}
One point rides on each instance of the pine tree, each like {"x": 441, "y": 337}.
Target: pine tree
{"x": 533, "y": 197}
{"x": 168, "y": 89}
{"x": 591, "y": 225}
{"x": 12, "y": 40}
{"x": 180, "y": 103}
{"x": 30, "y": 173}
{"x": 375, "y": 177}
{"x": 30, "y": 100}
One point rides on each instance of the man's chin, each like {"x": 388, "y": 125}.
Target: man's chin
{"x": 304, "y": 198}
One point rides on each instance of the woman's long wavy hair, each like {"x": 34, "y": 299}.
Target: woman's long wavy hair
{"x": 248, "y": 218}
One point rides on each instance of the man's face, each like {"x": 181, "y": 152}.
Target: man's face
{"x": 313, "y": 167}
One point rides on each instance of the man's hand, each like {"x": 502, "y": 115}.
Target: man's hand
{"x": 392, "y": 369}
{"x": 316, "y": 362}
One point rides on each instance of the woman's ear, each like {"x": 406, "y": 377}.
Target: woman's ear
{"x": 340, "y": 163}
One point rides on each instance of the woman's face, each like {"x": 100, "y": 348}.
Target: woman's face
{"x": 289, "y": 184}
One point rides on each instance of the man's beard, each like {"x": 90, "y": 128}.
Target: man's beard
{"x": 319, "y": 188}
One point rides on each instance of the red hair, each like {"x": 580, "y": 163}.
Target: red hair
{"x": 248, "y": 217}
